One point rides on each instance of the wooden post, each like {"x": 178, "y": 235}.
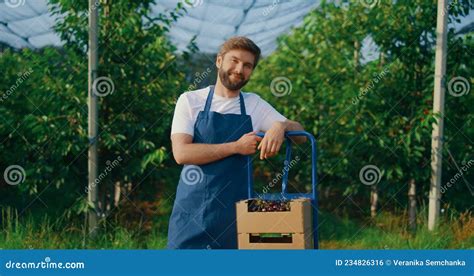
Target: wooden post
{"x": 438, "y": 107}
{"x": 412, "y": 205}
{"x": 374, "y": 199}
{"x": 92, "y": 218}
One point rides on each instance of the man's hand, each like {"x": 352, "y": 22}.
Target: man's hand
{"x": 275, "y": 136}
{"x": 271, "y": 143}
{"x": 247, "y": 144}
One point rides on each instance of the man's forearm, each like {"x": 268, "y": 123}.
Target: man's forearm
{"x": 293, "y": 126}
{"x": 199, "y": 154}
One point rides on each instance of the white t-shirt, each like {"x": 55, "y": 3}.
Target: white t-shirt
{"x": 190, "y": 103}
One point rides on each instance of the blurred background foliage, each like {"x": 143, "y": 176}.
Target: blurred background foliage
{"x": 362, "y": 112}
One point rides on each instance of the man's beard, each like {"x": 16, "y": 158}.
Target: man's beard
{"x": 228, "y": 83}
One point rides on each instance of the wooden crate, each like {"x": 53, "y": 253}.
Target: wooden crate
{"x": 294, "y": 227}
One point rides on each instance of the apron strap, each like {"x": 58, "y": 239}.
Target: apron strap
{"x": 207, "y": 107}
{"x": 242, "y": 104}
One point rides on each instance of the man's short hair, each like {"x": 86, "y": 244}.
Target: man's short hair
{"x": 242, "y": 43}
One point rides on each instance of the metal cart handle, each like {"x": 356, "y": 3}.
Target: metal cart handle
{"x": 285, "y": 194}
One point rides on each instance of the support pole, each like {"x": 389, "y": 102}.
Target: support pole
{"x": 92, "y": 216}
{"x": 438, "y": 107}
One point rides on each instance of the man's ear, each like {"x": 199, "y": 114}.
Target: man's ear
{"x": 219, "y": 61}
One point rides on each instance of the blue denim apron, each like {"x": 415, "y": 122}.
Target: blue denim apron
{"x": 204, "y": 214}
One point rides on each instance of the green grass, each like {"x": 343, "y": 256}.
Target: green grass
{"x": 43, "y": 233}
{"x": 387, "y": 231}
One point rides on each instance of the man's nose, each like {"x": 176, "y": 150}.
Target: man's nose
{"x": 239, "y": 68}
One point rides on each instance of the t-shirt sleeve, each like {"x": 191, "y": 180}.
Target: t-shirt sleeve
{"x": 268, "y": 115}
{"x": 182, "y": 119}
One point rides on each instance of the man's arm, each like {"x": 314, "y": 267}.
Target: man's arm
{"x": 187, "y": 152}
{"x": 290, "y": 125}
{"x": 275, "y": 136}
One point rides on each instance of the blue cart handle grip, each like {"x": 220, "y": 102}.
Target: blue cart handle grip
{"x": 288, "y": 134}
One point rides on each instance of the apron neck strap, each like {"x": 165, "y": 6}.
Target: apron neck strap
{"x": 207, "y": 108}
{"x": 242, "y": 104}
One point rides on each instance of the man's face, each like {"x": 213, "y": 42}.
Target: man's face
{"x": 235, "y": 68}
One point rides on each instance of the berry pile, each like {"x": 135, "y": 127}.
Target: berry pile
{"x": 260, "y": 205}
